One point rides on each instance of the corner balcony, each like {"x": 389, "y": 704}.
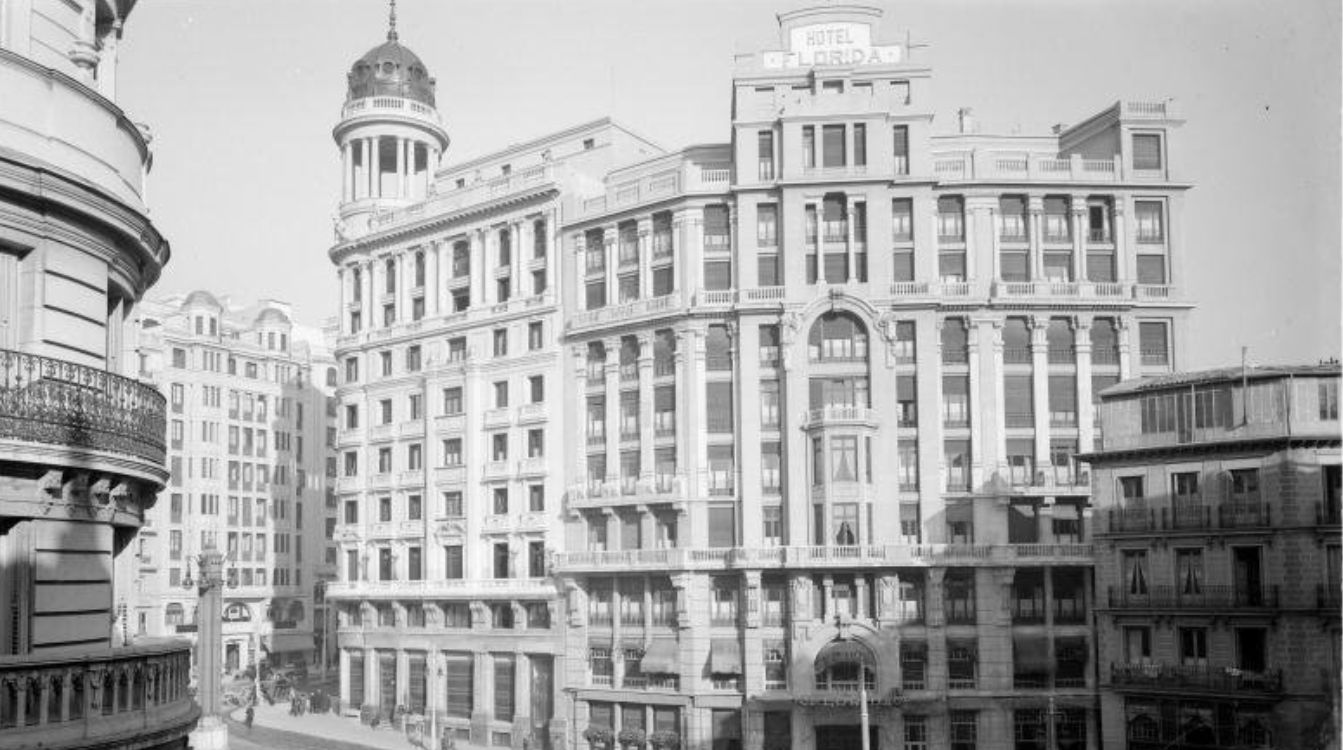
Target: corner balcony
{"x": 60, "y": 413}
{"x": 1178, "y": 679}
{"x": 131, "y": 697}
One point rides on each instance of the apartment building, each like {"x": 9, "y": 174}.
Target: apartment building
{"x": 81, "y": 438}
{"x": 249, "y": 445}
{"x": 1217, "y": 561}
{"x": 449, "y": 488}
{"x": 832, "y": 379}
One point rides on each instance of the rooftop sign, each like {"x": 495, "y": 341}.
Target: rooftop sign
{"x": 832, "y": 44}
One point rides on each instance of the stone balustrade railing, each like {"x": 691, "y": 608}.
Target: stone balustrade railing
{"x": 99, "y": 698}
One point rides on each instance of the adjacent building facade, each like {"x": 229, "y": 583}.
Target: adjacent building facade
{"x": 798, "y": 410}
{"x": 250, "y": 439}
{"x": 1217, "y": 561}
{"x": 81, "y": 439}
{"x": 449, "y": 419}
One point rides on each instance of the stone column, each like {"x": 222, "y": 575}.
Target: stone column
{"x": 480, "y": 284}
{"x": 975, "y": 407}
{"x": 1124, "y": 332}
{"x": 1078, "y": 204}
{"x": 346, "y": 172}
{"x": 852, "y": 262}
{"x": 376, "y": 174}
{"x": 1000, "y": 397}
{"x": 1035, "y": 207}
{"x": 645, "y": 257}
{"x": 1040, "y": 384}
{"x": 646, "y": 416}
{"x": 367, "y": 306}
{"x": 612, "y": 393}
{"x": 1086, "y": 411}
{"x": 610, "y": 234}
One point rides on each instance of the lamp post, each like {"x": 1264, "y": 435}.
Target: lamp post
{"x": 211, "y": 732}
{"x": 842, "y": 635}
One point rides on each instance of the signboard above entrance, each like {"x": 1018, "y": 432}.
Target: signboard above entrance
{"x": 832, "y": 44}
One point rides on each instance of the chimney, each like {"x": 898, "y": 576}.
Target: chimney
{"x": 967, "y": 120}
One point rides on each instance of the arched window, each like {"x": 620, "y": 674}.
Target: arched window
{"x": 173, "y": 614}
{"x": 839, "y": 664}
{"x": 837, "y": 337}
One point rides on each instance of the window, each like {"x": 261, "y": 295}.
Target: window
{"x": 452, "y": 401}
{"x": 536, "y": 498}
{"x": 1193, "y": 647}
{"x": 964, "y": 729}
{"x": 457, "y": 349}
{"x": 500, "y": 558}
{"x": 1149, "y": 216}
{"x": 452, "y": 452}
{"x": 500, "y": 495}
{"x": 767, "y": 225}
{"x": 719, "y": 405}
{"x": 900, "y": 149}
{"x": 501, "y": 342}
{"x": 1327, "y": 395}
{"x": 535, "y": 339}
{"x": 1137, "y": 644}
{"x": 452, "y": 557}
{"x": 413, "y": 359}
{"x": 536, "y": 388}
{"x": 1153, "y": 343}
{"x": 808, "y": 146}
{"x": 459, "y": 668}
{"x": 950, "y": 219}
{"x": 504, "y": 670}
{"x": 1146, "y": 151}
{"x": 1135, "y": 572}
{"x": 536, "y": 443}
{"x": 501, "y": 394}
{"x": 716, "y": 228}
{"x": 499, "y": 446}
{"x": 832, "y": 146}
{"x": 962, "y": 663}
{"x": 452, "y": 504}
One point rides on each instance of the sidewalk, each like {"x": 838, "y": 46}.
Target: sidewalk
{"x": 330, "y": 726}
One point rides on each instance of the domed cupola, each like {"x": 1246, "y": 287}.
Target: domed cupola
{"x": 390, "y": 135}
{"x": 390, "y": 69}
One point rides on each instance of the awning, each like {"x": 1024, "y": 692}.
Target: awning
{"x": 279, "y": 643}
{"x": 1030, "y": 654}
{"x": 661, "y": 657}
{"x": 1066, "y": 511}
{"x": 725, "y": 656}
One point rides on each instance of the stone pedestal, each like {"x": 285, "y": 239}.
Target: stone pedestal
{"x": 210, "y": 734}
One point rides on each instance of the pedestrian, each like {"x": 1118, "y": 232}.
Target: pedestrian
{"x": 247, "y": 719}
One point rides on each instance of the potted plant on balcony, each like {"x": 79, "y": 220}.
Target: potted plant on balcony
{"x": 665, "y": 740}
{"x": 631, "y": 739}
{"x": 599, "y": 737}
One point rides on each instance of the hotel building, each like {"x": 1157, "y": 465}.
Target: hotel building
{"x": 81, "y": 439}
{"x": 823, "y": 387}
{"x": 449, "y": 420}
{"x": 832, "y": 378}
{"x": 250, "y": 437}
{"x": 1217, "y": 559}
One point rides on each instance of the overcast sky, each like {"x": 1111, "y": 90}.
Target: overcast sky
{"x": 242, "y": 96}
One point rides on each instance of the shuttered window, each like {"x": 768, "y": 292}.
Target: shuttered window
{"x": 832, "y": 145}
{"x": 1146, "y": 151}
{"x": 418, "y": 687}
{"x": 900, "y": 146}
{"x": 1151, "y": 269}
{"x": 1019, "y": 400}
{"x": 719, "y": 402}
{"x": 1152, "y": 342}
{"x": 717, "y": 274}
{"x": 1101, "y": 266}
{"x": 722, "y": 525}
{"x": 504, "y": 674}
{"x": 1063, "y": 400}
{"x": 717, "y": 354}
{"x": 1015, "y": 265}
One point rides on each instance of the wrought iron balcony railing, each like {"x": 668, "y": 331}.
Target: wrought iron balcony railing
{"x": 51, "y": 401}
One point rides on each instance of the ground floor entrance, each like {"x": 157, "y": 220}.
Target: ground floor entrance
{"x": 845, "y": 737}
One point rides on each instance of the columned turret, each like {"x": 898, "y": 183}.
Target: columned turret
{"x": 390, "y": 135}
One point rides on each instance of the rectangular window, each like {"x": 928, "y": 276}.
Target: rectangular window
{"x": 1149, "y": 216}
{"x": 808, "y": 146}
{"x": 832, "y": 146}
{"x": 1153, "y": 344}
{"x": 767, "y": 225}
{"x": 1146, "y": 151}
{"x": 964, "y": 729}
{"x": 859, "y": 145}
{"x": 900, "y": 149}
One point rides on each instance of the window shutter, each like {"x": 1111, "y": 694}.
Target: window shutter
{"x": 722, "y": 526}
{"x": 1146, "y": 152}
{"x": 717, "y": 274}
{"x": 720, "y": 407}
{"x": 1015, "y": 266}
{"x": 715, "y": 219}
{"x": 1019, "y": 400}
{"x": 1151, "y": 269}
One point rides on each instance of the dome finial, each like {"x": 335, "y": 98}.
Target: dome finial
{"x": 391, "y": 21}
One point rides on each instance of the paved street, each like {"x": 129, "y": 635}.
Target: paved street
{"x": 273, "y": 728}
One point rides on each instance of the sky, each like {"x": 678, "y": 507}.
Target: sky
{"x": 241, "y": 97}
